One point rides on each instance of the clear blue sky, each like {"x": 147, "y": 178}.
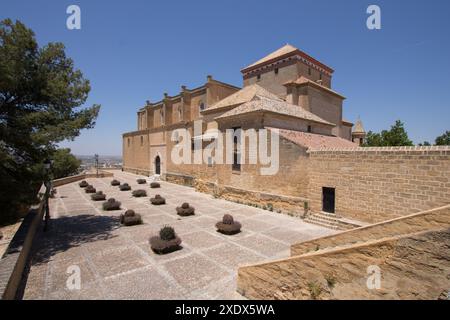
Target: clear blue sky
{"x": 132, "y": 51}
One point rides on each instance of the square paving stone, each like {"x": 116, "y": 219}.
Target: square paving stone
{"x": 201, "y": 240}
{"x": 233, "y": 256}
{"x": 118, "y": 260}
{"x": 264, "y": 245}
{"x": 194, "y": 271}
{"x": 146, "y": 284}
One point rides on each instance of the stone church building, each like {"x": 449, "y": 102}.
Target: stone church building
{"x": 323, "y": 174}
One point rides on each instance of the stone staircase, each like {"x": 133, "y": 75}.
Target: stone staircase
{"x": 330, "y": 220}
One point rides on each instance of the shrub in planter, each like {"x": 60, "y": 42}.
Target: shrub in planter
{"x": 124, "y": 187}
{"x": 167, "y": 241}
{"x": 185, "y": 210}
{"x": 139, "y": 193}
{"x": 115, "y": 182}
{"x": 90, "y": 189}
{"x": 155, "y": 185}
{"x": 228, "y": 226}
{"x": 98, "y": 196}
{"x": 158, "y": 200}
{"x": 83, "y": 184}
{"x": 141, "y": 181}
{"x": 130, "y": 218}
{"x": 111, "y": 204}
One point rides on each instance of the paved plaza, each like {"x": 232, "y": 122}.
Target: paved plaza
{"x": 117, "y": 262}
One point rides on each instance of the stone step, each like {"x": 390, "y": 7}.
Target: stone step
{"x": 330, "y": 221}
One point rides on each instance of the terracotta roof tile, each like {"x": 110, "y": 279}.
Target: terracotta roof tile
{"x": 244, "y": 95}
{"x": 315, "y": 141}
{"x": 260, "y": 103}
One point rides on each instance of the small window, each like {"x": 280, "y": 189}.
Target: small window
{"x": 309, "y": 129}
{"x": 128, "y": 141}
{"x": 202, "y": 106}
{"x": 210, "y": 162}
{"x": 162, "y": 116}
{"x": 180, "y": 113}
{"x": 258, "y": 77}
{"x": 142, "y": 141}
{"x": 309, "y": 71}
{"x": 276, "y": 70}
{"x": 320, "y": 76}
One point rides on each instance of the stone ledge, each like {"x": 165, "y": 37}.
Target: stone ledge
{"x": 13, "y": 262}
{"x": 413, "y": 149}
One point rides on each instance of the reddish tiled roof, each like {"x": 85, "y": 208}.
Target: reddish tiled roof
{"x": 263, "y": 104}
{"x": 244, "y": 95}
{"x": 284, "y": 52}
{"x": 315, "y": 141}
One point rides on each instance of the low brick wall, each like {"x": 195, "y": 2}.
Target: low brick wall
{"x": 13, "y": 263}
{"x": 426, "y": 220}
{"x": 177, "y": 178}
{"x": 294, "y": 206}
{"x": 413, "y": 266}
{"x": 140, "y": 171}
{"x": 66, "y": 180}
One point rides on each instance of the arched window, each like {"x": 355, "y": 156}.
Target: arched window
{"x": 180, "y": 113}
{"x": 128, "y": 141}
{"x": 202, "y": 106}
{"x": 142, "y": 141}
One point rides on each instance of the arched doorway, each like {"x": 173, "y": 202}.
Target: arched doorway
{"x": 157, "y": 165}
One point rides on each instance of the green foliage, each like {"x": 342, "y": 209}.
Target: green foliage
{"x": 65, "y": 164}
{"x": 167, "y": 233}
{"x": 40, "y": 96}
{"x": 315, "y": 289}
{"x": 444, "y": 139}
{"x": 396, "y": 136}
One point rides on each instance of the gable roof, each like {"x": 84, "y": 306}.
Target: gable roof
{"x": 278, "y": 106}
{"x": 244, "y": 95}
{"x": 285, "y": 52}
{"x": 315, "y": 141}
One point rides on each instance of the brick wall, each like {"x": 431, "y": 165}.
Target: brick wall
{"x": 376, "y": 184}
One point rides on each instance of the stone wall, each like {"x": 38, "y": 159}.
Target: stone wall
{"x": 414, "y": 266}
{"x": 417, "y": 222}
{"x": 376, "y": 184}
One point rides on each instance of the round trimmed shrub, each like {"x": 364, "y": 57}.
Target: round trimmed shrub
{"x": 124, "y": 187}
{"x": 141, "y": 181}
{"x": 158, "y": 200}
{"x": 115, "y": 182}
{"x": 98, "y": 196}
{"x": 90, "y": 189}
{"x": 139, "y": 193}
{"x": 111, "y": 204}
{"x": 130, "y": 218}
{"x": 155, "y": 185}
{"x": 83, "y": 184}
{"x": 185, "y": 210}
{"x": 167, "y": 241}
{"x": 228, "y": 226}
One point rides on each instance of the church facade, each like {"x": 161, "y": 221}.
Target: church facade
{"x": 320, "y": 170}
